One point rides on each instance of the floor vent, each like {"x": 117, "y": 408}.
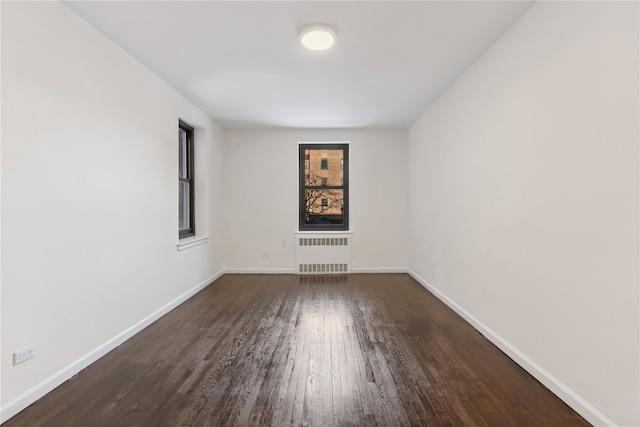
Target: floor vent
{"x": 323, "y": 253}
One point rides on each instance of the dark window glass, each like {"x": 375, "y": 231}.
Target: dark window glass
{"x": 186, "y": 223}
{"x": 324, "y": 187}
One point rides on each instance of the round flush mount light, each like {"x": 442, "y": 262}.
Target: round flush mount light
{"x": 317, "y": 36}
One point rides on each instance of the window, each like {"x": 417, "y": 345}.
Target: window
{"x": 324, "y": 205}
{"x": 186, "y": 223}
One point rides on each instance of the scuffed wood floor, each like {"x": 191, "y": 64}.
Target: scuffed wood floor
{"x": 286, "y": 350}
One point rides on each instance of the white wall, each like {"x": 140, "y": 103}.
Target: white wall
{"x": 89, "y": 197}
{"x": 262, "y": 197}
{"x": 524, "y": 200}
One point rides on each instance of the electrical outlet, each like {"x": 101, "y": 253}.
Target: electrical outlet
{"x": 265, "y": 255}
{"x": 24, "y": 354}
{"x": 284, "y": 243}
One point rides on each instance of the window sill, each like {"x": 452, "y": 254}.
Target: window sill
{"x": 190, "y": 242}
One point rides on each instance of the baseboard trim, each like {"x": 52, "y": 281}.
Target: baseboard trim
{"x": 567, "y": 395}
{"x": 259, "y": 271}
{"x": 382, "y": 270}
{"x": 293, "y": 271}
{"x": 30, "y": 396}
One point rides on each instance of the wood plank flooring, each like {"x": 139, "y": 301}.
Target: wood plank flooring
{"x": 277, "y": 350}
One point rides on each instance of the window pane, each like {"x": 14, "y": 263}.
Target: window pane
{"x": 182, "y": 160}
{"x": 184, "y": 217}
{"x": 324, "y": 206}
{"x": 324, "y": 187}
{"x": 324, "y": 165}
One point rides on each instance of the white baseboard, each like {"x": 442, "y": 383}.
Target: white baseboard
{"x": 570, "y": 397}
{"x": 293, "y": 271}
{"x": 259, "y": 271}
{"x": 382, "y": 270}
{"x": 25, "y": 399}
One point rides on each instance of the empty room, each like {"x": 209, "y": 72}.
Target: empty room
{"x": 322, "y": 213}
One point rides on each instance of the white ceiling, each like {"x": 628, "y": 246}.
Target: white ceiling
{"x": 241, "y": 61}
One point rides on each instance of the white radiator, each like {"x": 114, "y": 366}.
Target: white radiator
{"x": 323, "y": 253}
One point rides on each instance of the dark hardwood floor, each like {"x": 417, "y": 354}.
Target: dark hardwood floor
{"x": 374, "y": 349}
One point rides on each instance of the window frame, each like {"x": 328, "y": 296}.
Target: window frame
{"x": 189, "y": 179}
{"x": 302, "y": 186}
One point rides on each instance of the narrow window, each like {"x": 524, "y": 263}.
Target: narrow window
{"x": 324, "y": 205}
{"x": 186, "y": 223}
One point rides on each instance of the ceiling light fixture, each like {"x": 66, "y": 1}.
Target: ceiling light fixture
{"x": 317, "y": 36}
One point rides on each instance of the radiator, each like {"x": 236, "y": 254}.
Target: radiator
{"x": 323, "y": 253}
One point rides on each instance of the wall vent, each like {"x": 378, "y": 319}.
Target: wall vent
{"x": 323, "y": 268}
{"x": 323, "y": 253}
{"x": 323, "y": 241}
